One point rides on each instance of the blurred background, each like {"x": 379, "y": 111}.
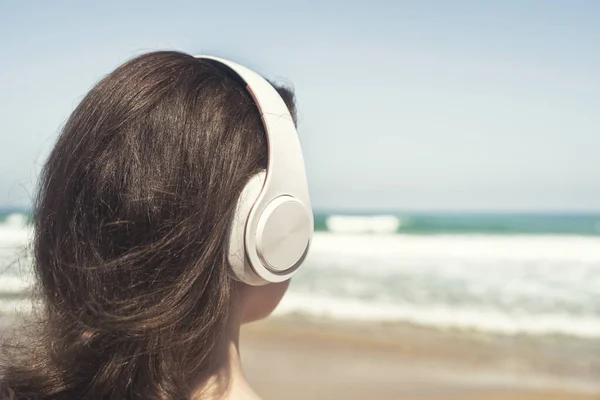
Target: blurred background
{"x": 453, "y": 159}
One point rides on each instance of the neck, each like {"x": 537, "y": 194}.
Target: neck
{"x": 227, "y": 381}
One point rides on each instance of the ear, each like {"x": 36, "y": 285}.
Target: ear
{"x": 258, "y": 302}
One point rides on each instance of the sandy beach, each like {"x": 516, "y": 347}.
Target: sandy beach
{"x": 290, "y": 360}
{"x": 297, "y": 359}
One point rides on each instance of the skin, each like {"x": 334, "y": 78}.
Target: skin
{"x": 228, "y": 382}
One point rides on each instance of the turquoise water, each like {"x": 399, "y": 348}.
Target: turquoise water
{"x": 455, "y": 223}
{"x": 462, "y": 223}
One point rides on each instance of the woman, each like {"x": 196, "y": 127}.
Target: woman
{"x": 132, "y": 222}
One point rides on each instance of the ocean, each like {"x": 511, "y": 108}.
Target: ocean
{"x": 504, "y": 274}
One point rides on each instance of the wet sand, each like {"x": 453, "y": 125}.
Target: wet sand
{"x": 298, "y": 360}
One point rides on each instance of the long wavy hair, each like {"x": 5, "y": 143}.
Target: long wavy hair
{"x": 131, "y": 224}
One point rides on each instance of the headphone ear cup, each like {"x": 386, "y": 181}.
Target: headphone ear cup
{"x": 239, "y": 266}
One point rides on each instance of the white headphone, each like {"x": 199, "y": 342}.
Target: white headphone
{"x": 273, "y": 224}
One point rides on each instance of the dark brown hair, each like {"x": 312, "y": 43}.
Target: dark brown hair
{"x": 131, "y": 223}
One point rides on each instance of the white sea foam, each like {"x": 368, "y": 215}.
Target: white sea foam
{"x": 480, "y": 247}
{"x": 16, "y": 219}
{"x": 505, "y": 284}
{"x": 363, "y": 224}
{"x": 15, "y": 275}
{"x": 11, "y": 307}
{"x": 509, "y": 284}
{"x": 14, "y": 231}
{"x": 438, "y": 316}
{"x": 10, "y": 284}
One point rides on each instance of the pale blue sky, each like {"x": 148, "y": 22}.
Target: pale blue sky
{"x": 425, "y": 105}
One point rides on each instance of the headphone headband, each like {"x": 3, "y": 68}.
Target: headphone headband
{"x": 281, "y": 217}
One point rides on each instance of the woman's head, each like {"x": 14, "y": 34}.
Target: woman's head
{"x": 131, "y": 224}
